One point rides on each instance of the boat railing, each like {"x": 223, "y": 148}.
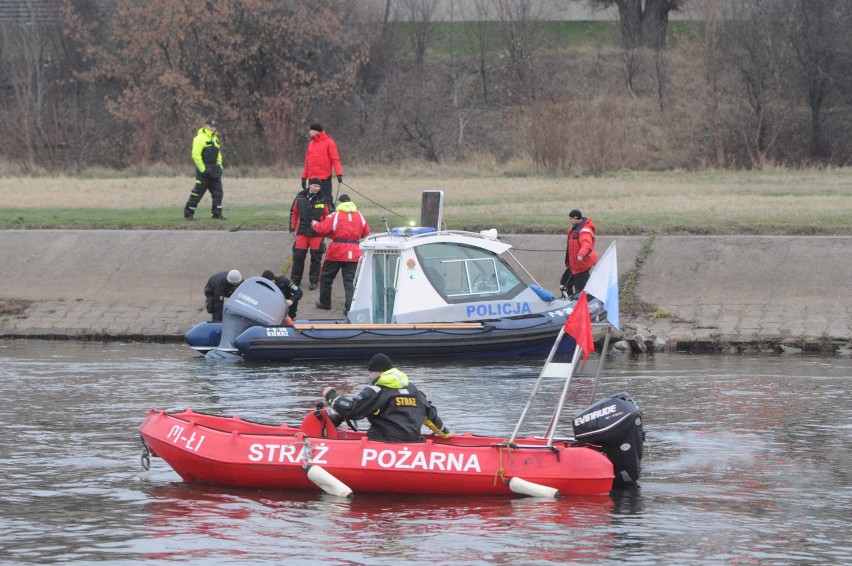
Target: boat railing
{"x": 413, "y": 235}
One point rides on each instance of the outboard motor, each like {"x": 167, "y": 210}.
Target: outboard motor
{"x": 256, "y": 302}
{"x": 614, "y": 424}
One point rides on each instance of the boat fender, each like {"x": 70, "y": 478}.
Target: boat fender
{"x": 327, "y": 482}
{"x": 524, "y": 487}
{"x": 543, "y": 294}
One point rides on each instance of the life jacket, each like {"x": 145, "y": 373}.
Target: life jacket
{"x": 581, "y": 241}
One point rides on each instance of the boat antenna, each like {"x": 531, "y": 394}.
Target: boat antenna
{"x": 385, "y": 222}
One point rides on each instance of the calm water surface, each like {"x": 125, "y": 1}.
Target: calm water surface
{"x": 748, "y": 462}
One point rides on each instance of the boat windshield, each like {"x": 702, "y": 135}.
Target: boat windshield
{"x": 464, "y": 273}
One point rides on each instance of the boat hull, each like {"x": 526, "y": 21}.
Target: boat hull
{"x": 236, "y": 453}
{"x": 322, "y": 340}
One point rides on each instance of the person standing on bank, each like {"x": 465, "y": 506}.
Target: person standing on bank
{"x": 207, "y": 155}
{"x": 321, "y": 159}
{"x": 395, "y": 408}
{"x": 219, "y": 287}
{"x": 309, "y": 205}
{"x": 290, "y": 290}
{"x": 580, "y": 255}
{"x": 346, "y": 226}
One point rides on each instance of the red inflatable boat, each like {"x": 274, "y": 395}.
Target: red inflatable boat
{"x": 229, "y": 451}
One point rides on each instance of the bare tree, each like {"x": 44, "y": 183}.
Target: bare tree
{"x": 713, "y": 71}
{"x": 661, "y": 72}
{"x": 644, "y": 23}
{"x": 479, "y": 40}
{"x": 818, "y": 31}
{"x": 519, "y": 26}
{"x": 27, "y": 67}
{"x": 632, "y": 58}
{"x": 420, "y": 15}
{"x": 760, "y": 54}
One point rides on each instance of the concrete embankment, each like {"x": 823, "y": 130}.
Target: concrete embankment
{"x": 708, "y": 292}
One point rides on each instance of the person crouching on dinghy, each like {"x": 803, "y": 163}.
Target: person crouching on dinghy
{"x": 395, "y": 408}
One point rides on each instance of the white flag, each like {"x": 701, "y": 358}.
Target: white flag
{"x": 603, "y": 284}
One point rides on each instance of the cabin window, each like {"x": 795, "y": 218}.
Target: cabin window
{"x": 462, "y": 273}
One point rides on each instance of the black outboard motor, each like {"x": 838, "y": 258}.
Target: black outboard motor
{"x": 256, "y": 302}
{"x": 614, "y": 424}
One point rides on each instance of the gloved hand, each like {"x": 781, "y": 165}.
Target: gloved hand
{"x": 291, "y": 230}
{"x": 304, "y": 183}
{"x": 329, "y": 394}
{"x": 445, "y": 433}
{"x": 340, "y": 178}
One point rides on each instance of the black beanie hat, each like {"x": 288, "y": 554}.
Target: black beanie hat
{"x": 575, "y": 214}
{"x": 343, "y": 198}
{"x": 314, "y": 181}
{"x": 316, "y": 126}
{"x": 379, "y": 362}
{"x": 268, "y": 274}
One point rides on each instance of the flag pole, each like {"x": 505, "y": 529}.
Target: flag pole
{"x": 601, "y": 364}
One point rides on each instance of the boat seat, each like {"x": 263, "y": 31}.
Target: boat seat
{"x": 318, "y": 424}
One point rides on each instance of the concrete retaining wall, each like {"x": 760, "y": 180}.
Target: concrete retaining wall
{"x": 148, "y": 284}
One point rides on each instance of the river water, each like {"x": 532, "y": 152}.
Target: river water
{"x": 748, "y": 461}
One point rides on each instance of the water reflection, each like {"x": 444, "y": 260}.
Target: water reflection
{"x": 401, "y": 528}
{"x": 748, "y": 460}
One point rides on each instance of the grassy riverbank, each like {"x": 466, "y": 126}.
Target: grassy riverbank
{"x": 804, "y": 202}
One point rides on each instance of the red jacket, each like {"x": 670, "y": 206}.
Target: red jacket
{"x": 581, "y": 241}
{"x": 345, "y": 227}
{"x": 321, "y": 157}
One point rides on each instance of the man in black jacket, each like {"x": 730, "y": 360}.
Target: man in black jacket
{"x": 395, "y": 408}
{"x": 310, "y": 204}
{"x": 289, "y": 289}
{"x": 219, "y": 287}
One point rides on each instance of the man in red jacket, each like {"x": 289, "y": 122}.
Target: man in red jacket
{"x": 580, "y": 255}
{"x": 320, "y": 158}
{"x": 346, "y": 226}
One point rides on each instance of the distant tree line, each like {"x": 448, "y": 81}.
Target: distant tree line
{"x": 125, "y": 83}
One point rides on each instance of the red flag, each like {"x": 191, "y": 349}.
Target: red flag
{"x": 579, "y": 325}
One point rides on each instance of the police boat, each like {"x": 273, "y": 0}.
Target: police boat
{"x": 419, "y": 291}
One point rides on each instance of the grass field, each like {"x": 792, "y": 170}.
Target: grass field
{"x": 802, "y": 202}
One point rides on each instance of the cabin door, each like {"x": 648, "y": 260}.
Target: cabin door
{"x": 385, "y": 267}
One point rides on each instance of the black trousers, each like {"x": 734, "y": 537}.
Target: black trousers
{"x": 573, "y": 283}
{"x": 203, "y": 183}
{"x": 327, "y": 190}
{"x": 329, "y": 272}
{"x": 299, "y": 256}
{"x": 216, "y": 308}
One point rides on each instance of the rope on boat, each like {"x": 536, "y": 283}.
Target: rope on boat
{"x": 310, "y": 332}
{"x": 146, "y": 454}
{"x": 501, "y": 471}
